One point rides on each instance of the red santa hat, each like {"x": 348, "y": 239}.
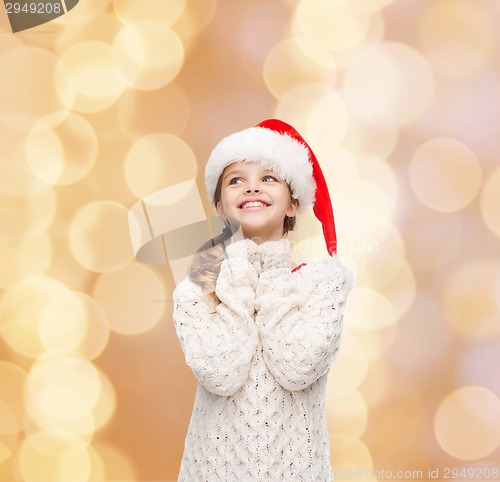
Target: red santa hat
{"x": 279, "y": 147}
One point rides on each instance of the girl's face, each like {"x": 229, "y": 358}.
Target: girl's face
{"x": 244, "y": 181}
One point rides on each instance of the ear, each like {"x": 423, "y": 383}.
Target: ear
{"x": 292, "y": 208}
{"x": 220, "y": 209}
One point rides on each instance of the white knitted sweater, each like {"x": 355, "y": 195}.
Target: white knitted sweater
{"x": 261, "y": 358}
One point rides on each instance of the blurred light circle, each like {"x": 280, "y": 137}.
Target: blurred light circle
{"x": 378, "y": 172}
{"x": 44, "y": 152}
{"x": 350, "y": 453}
{"x": 85, "y": 12}
{"x": 392, "y": 242}
{"x": 19, "y": 317}
{"x": 390, "y": 275}
{"x": 61, "y": 148}
{"x": 467, "y": 423}
{"x": 445, "y": 175}
{"x": 8, "y": 432}
{"x": 479, "y": 365}
{"x": 496, "y": 289}
{"x": 36, "y": 466}
{"x": 82, "y": 426}
{"x": 23, "y": 258}
{"x": 365, "y": 5}
{"x": 296, "y": 61}
{"x": 103, "y": 28}
{"x": 197, "y": 16}
{"x": 469, "y": 299}
{"x": 16, "y": 178}
{"x": 141, "y": 302}
{"x": 25, "y": 218}
{"x": 394, "y": 69}
{"x": 97, "y": 471}
{"x": 97, "y": 333}
{"x": 26, "y": 72}
{"x": 346, "y": 59}
{"x": 369, "y": 310}
{"x": 105, "y": 407}
{"x": 85, "y": 79}
{"x": 9, "y": 43}
{"x": 74, "y": 321}
{"x": 338, "y": 164}
{"x": 130, "y": 11}
{"x": 57, "y": 443}
{"x": 351, "y": 365}
{"x": 375, "y": 342}
{"x": 118, "y": 465}
{"x": 373, "y": 128}
{"x": 433, "y": 239}
{"x": 99, "y": 236}
{"x": 12, "y": 382}
{"x": 147, "y": 55}
{"x": 64, "y": 386}
{"x": 456, "y": 37}
{"x": 295, "y": 103}
{"x": 139, "y": 113}
{"x": 377, "y": 383}
{"x": 346, "y": 409}
{"x": 331, "y": 24}
{"x": 158, "y": 160}
{"x": 362, "y": 211}
{"x": 327, "y": 120}
{"x": 63, "y": 322}
{"x": 490, "y": 202}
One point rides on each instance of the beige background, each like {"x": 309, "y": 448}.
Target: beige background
{"x": 117, "y": 100}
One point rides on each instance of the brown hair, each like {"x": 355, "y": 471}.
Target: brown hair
{"x": 205, "y": 265}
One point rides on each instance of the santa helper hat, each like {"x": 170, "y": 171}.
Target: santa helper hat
{"x": 279, "y": 147}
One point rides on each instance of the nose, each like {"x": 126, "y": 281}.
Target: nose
{"x": 256, "y": 190}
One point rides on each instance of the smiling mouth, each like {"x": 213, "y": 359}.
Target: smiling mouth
{"x": 261, "y": 204}
{"x": 253, "y": 208}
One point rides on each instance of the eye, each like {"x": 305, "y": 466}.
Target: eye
{"x": 270, "y": 177}
{"x": 231, "y": 181}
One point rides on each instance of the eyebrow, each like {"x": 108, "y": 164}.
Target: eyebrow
{"x": 239, "y": 171}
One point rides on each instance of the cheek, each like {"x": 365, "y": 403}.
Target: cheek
{"x": 228, "y": 201}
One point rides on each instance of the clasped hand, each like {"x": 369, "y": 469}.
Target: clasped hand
{"x": 263, "y": 257}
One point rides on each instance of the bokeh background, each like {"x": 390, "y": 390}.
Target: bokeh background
{"x": 400, "y": 100}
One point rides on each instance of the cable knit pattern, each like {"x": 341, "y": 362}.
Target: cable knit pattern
{"x": 246, "y": 249}
{"x": 261, "y": 358}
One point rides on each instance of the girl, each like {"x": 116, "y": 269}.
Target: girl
{"x": 260, "y": 336}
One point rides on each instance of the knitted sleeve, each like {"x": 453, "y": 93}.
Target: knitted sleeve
{"x": 219, "y": 339}
{"x": 300, "y": 316}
